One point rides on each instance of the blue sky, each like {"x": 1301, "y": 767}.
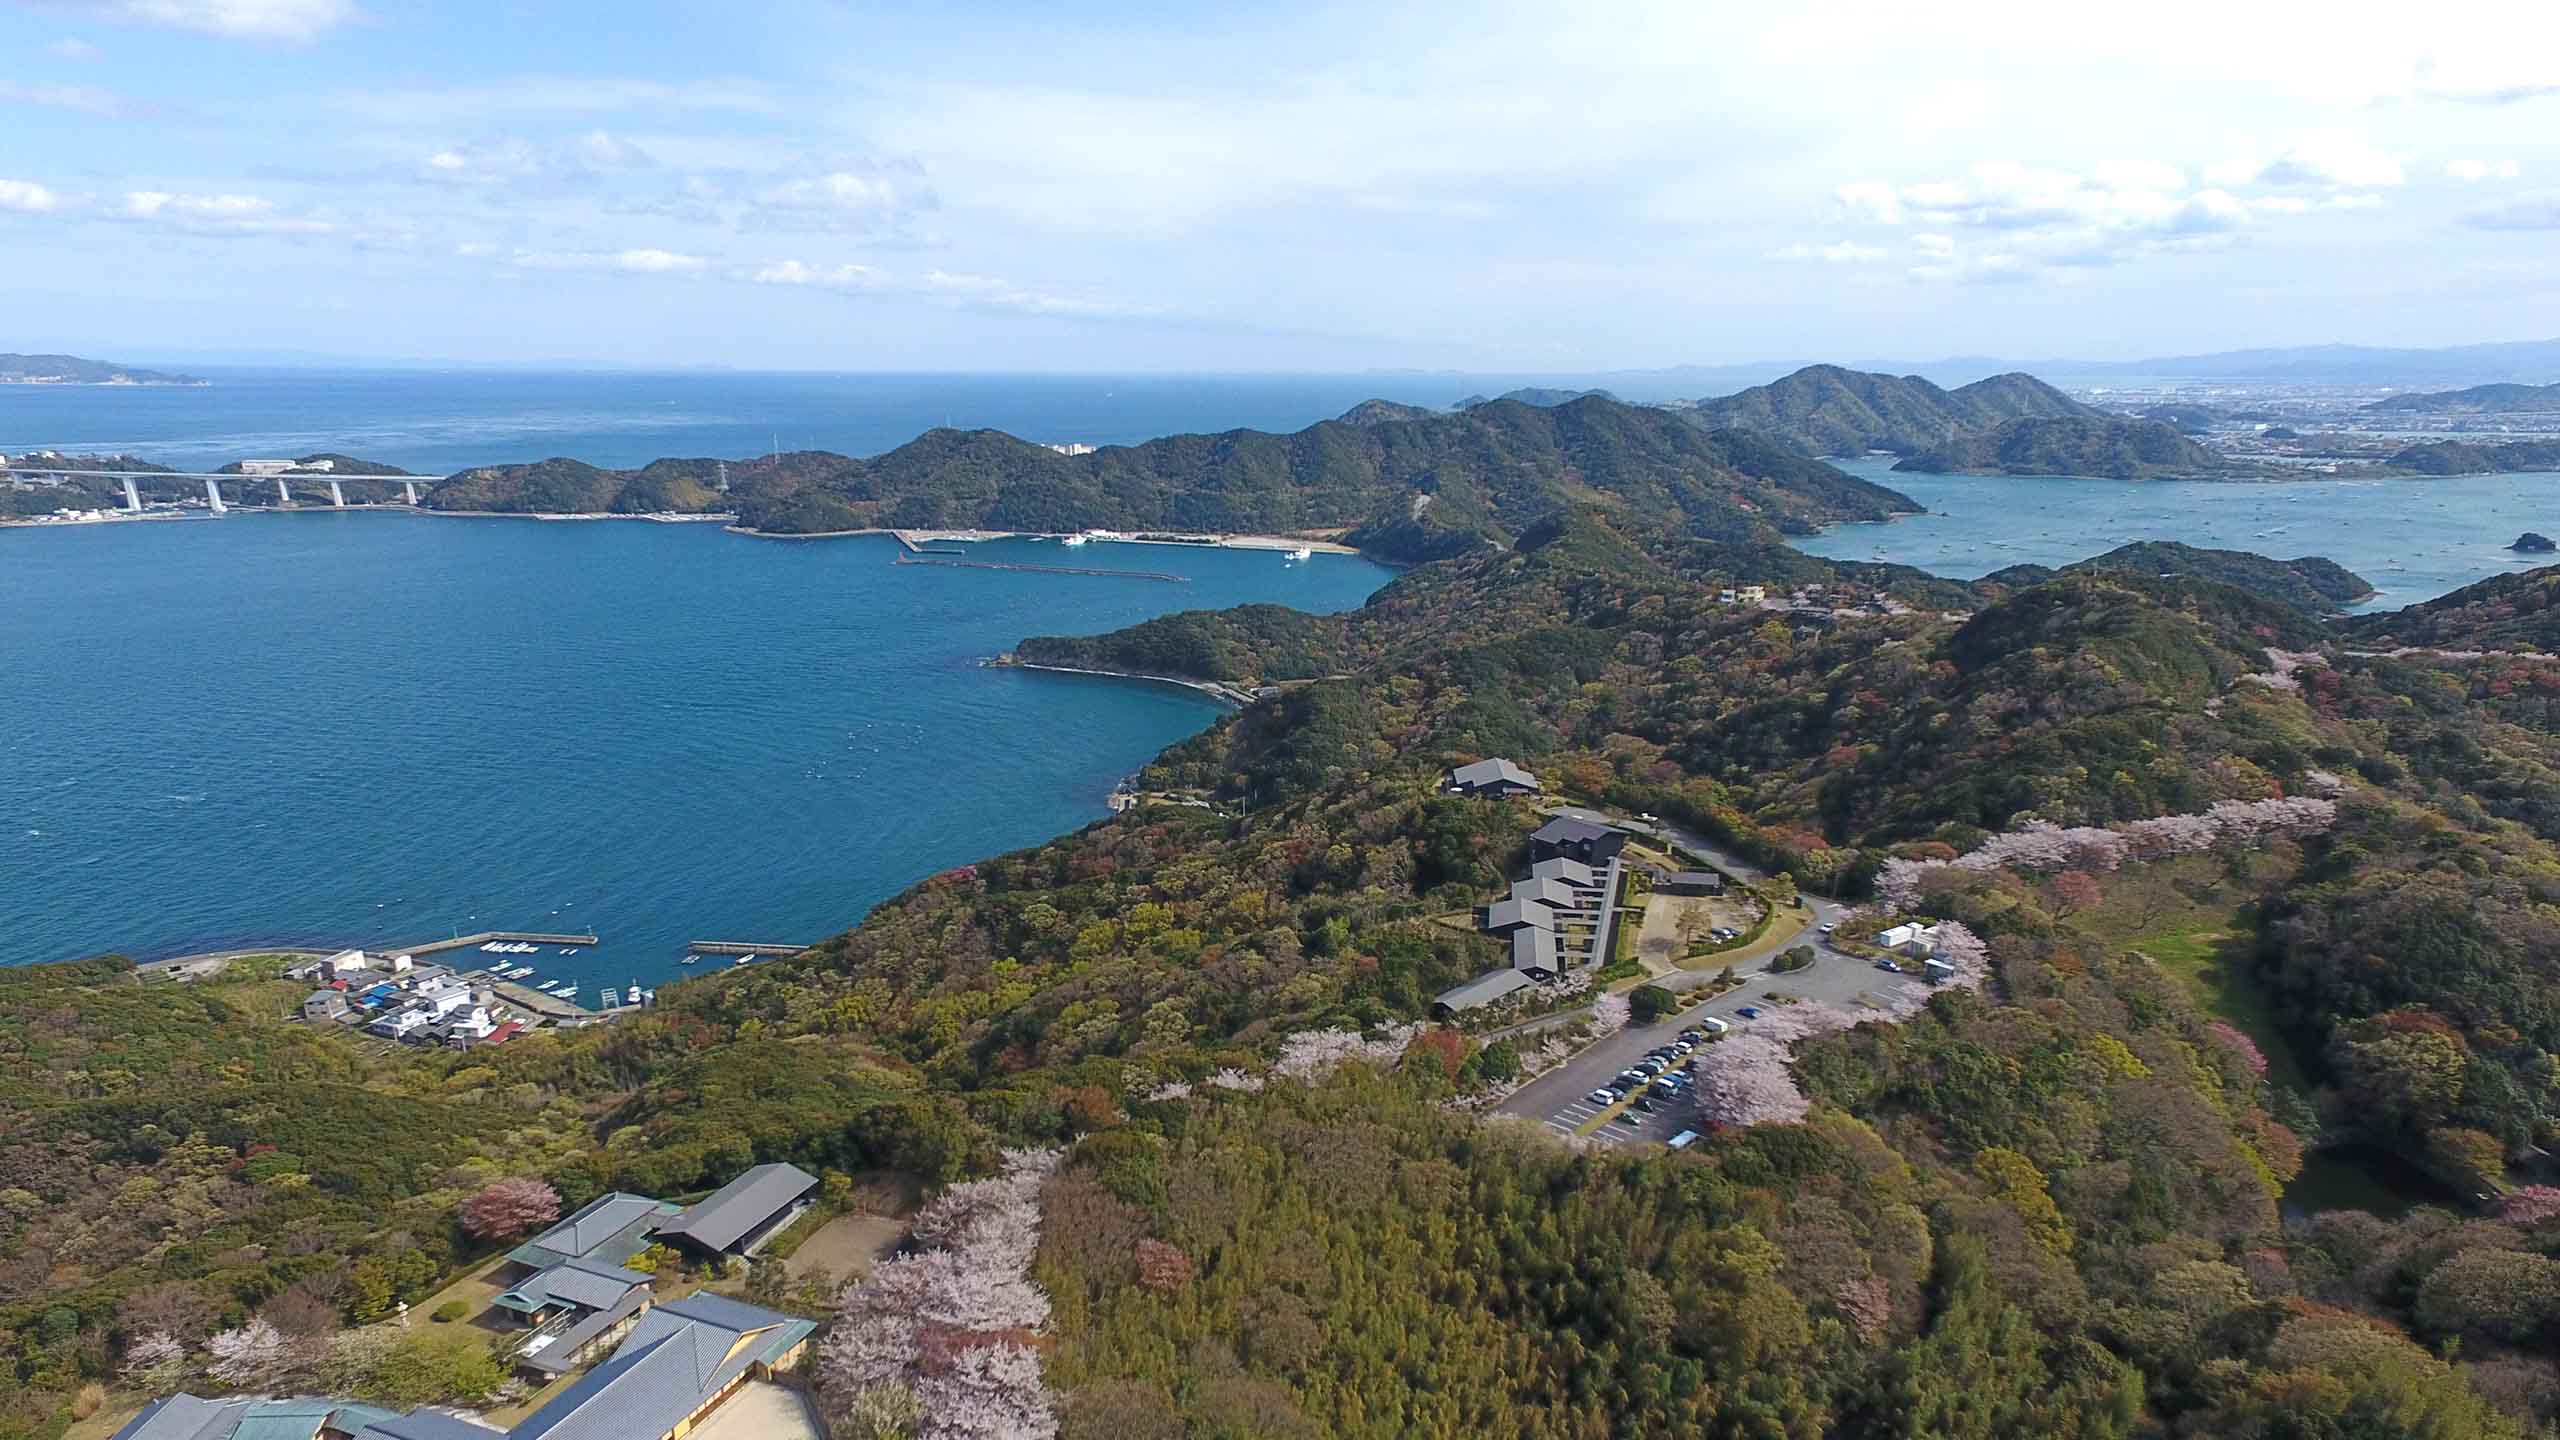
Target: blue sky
{"x": 1149, "y": 186}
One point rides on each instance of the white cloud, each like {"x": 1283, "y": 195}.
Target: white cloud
{"x": 218, "y": 214}
{"x": 1933, "y": 244}
{"x": 637, "y": 261}
{"x": 2538, "y": 210}
{"x": 986, "y": 292}
{"x": 72, "y": 47}
{"x": 2335, "y": 159}
{"x": 25, "y": 197}
{"x": 844, "y": 197}
{"x": 517, "y": 162}
{"x": 2475, "y": 170}
{"x": 826, "y": 277}
{"x": 294, "y": 21}
{"x": 1844, "y": 252}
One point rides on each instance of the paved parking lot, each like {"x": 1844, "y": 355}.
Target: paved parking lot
{"x": 1560, "y": 1100}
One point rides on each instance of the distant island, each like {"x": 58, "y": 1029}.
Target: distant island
{"x": 73, "y": 370}
{"x": 2534, "y": 542}
{"x": 1394, "y": 481}
{"x": 2103, "y": 447}
{"x": 1827, "y": 410}
{"x": 2312, "y": 584}
{"x": 1534, "y": 395}
{"x": 2460, "y": 457}
{"x": 2477, "y": 400}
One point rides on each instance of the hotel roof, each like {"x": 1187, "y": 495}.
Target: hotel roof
{"x": 737, "y": 1208}
{"x": 608, "y": 1230}
{"x": 676, "y": 1357}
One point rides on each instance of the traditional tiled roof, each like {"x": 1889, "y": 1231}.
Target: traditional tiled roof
{"x": 737, "y": 1208}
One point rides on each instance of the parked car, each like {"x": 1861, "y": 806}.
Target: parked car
{"x": 1749, "y": 1012}
{"x": 1714, "y": 1025}
{"x": 1693, "y": 1034}
{"x": 1602, "y": 1096}
{"x": 1628, "y": 1118}
{"x": 1828, "y": 928}
{"x": 1646, "y": 1106}
{"x": 1888, "y": 967}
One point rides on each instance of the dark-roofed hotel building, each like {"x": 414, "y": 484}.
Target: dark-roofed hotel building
{"x": 746, "y": 1212}
{"x": 1577, "y": 840}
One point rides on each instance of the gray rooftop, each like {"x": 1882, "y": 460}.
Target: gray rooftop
{"x": 1513, "y": 913}
{"x": 1565, "y": 830}
{"x": 1547, "y": 892}
{"x": 185, "y": 1417}
{"x": 738, "y": 1207}
{"x": 610, "y": 1228}
{"x": 1572, "y": 872}
{"x": 676, "y": 1356}
{"x": 426, "y": 1425}
{"x": 583, "y": 1283}
{"x": 1491, "y": 772}
{"x": 1533, "y": 949}
{"x": 1484, "y": 989}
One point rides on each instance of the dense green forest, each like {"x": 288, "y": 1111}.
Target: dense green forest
{"x": 2106, "y": 447}
{"x": 2048, "y": 1207}
{"x": 1406, "y": 484}
{"x": 2312, "y": 583}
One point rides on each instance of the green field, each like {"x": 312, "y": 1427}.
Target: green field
{"x": 2187, "y": 916}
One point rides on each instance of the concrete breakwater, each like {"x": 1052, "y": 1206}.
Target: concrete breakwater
{"x": 927, "y": 558}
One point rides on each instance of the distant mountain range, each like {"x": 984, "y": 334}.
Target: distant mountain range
{"x": 1829, "y": 410}
{"x": 1533, "y": 395}
{"x": 73, "y": 370}
{"x": 2477, "y": 400}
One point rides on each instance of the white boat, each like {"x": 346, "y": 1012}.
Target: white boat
{"x": 566, "y": 950}
{"x": 547, "y": 986}
{"x": 1303, "y": 552}
{"x": 1071, "y": 540}
{"x": 741, "y": 960}
{"x": 635, "y": 993}
{"x": 565, "y": 992}
{"x": 690, "y": 960}
{"x": 491, "y": 948}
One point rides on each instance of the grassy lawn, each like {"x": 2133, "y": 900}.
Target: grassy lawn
{"x": 2188, "y": 920}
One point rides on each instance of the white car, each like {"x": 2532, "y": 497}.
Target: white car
{"x": 1601, "y": 1097}
{"x": 1714, "y": 1026}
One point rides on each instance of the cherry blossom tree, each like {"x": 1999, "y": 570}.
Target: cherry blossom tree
{"x": 2231, "y": 1038}
{"x": 155, "y": 1361}
{"x": 2531, "y": 1205}
{"x": 249, "y": 1356}
{"x": 1610, "y": 1013}
{"x": 1312, "y": 1054}
{"x": 508, "y": 1209}
{"x": 951, "y": 1325}
{"x": 1745, "y": 1082}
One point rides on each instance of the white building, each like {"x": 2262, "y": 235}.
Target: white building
{"x": 1910, "y": 938}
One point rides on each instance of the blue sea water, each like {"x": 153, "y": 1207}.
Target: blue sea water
{"x": 439, "y": 422}
{"x": 2412, "y": 539}
{"x": 370, "y": 728}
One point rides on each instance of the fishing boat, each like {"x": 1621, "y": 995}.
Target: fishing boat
{"x": 1303, "y": 552}
{"x": 1072, "y": 539}
{"x": 741, "y": 960}
{"x": 547, "y": 986}
{"x": 565, "y": 992}
{"x": 635, "y": 993}
{"x": 690, "y": 960}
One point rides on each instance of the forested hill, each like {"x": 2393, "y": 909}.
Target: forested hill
{"x": 2463, "y": 457}
{"x": 73, "y": 370}
{"x": 2311, "y": 583}
{"x": 1407, "y": 487}
{"x": 2507, "y": 612}
{"x": 2477, "y": 400}
{"x": 2102, "y": 447}
{"x": 1826, "y": 410}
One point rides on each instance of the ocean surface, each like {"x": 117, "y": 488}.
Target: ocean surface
{"x": 2412, "y": 539}
{"x": 322, "y": 729}
{"x": 440, "y": 422}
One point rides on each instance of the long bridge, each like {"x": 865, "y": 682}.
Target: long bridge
{"x": 213, "y": 484}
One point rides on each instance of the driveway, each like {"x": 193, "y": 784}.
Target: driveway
{"x": 763, "y": 1410}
